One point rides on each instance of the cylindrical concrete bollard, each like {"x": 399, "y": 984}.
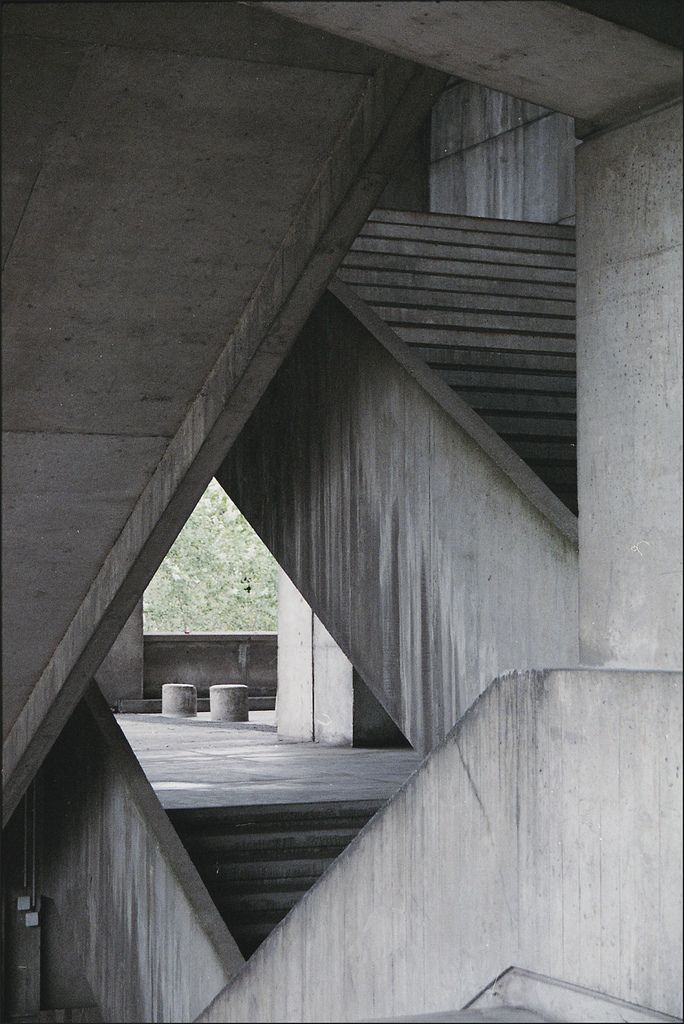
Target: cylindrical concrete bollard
{"x": 228, "y": 703}
{"x": 179, "y": 700}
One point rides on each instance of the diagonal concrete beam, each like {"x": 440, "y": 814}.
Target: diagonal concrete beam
{"x": 387, "y": 110}
{"x": 538, "y": 50}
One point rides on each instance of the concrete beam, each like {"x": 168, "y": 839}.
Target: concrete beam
{"x": 531, "y": 49}
{"x": 140, "y": 244}
{"x": 629, "y": 393}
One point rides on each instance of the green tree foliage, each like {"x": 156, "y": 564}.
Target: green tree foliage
{"x": 217, "y": 578}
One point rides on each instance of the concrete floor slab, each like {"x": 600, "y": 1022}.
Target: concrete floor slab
{"x": 199, "y": 763}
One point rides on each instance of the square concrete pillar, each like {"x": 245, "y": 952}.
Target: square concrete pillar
{"x": 120, "y": 676}
{"x": 294, "y": 697}
{"x": 333, "y": 690}
{"x": 629, "y": 384}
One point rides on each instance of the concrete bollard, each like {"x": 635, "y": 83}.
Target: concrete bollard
{"x": 228, "y": 703}
{"x": 179, "y": 700}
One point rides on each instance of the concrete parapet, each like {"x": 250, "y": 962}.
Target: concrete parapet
{"x": 228, "y": 703}
{"x": 179, "y": 700}
{"x": 544, "y": 827}
{"x": 208, "y": 659}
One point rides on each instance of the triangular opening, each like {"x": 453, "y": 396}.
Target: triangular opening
{"x": 262, "y": 805}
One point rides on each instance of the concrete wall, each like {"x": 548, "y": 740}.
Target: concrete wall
{"x": 210, "y": 659}
{"x": 409, "y": 186}
{"x": 134, "y": 912}
{"x": 629, "y": 393}
{"x": 426, "y": 558}
{"x": 545, "y": 832}
{"x": 120, "y": 676}
{"x": 493, "y": 155}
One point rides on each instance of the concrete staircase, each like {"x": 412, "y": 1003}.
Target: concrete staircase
{"x": 257, "y": 862}
{"x": 490, "y": 306}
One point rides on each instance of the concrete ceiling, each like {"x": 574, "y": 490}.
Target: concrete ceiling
{"x": 546, "y": 52}
{"x": 178, "y": 186}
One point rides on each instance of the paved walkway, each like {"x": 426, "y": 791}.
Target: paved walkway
{"x": 200, "y": 763}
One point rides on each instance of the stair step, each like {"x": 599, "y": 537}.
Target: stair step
{"x": 279, "y": 844}
{"x": 407, "y": 279}
{"x": 256, "y": 906}
{"x": 469, "y": 236}
{"x": 252, "y": 814}
{"x": 483, "y": 224}
{"x": 480, "y": 255}
{"x": 263, "y": 869}
{"x": 226, "y": 888}
{"x": 460, "y": 268}
{"x": 399, "y": 295}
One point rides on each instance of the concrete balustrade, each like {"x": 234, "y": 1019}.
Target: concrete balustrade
{"x": 179, "y": 700}
{"x": 228, "y": 703}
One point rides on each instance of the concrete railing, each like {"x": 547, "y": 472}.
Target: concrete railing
{"x": 212, "y": 659}
{"x": 525, "y": 838}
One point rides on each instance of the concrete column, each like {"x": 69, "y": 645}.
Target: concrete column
{"x": 333, "y": 690}
{"x": 629, "y": 287}
{"x": 294, "y": 698}
{"x": 120, "y": 676}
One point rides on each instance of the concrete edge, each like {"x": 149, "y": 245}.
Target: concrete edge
{"x": 263, "y": 636}
{"x": 221, "y": 409}
{"x": 158, "y": 822}
{"x": 553, "y": 996}
{"x": 517, "y": 471}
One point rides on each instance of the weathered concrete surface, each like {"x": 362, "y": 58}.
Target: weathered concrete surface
{"x": 207, "y": 659}
{"x": 496, "y": 156}
{"x": 544, "y": 832}
{"x": 120, "y": 676}
{"x": 432, "y": 554}
{"x": 531, "y": 49}
{"x": 199, "y": 763}
{"x": 558, "y": 1000}
{"x": 629, "y": 346}
{"x": 179, "y": 699}
{"x": 149, "y": 939}
{"x": 228, "y": 703}
{"x": 187, "y": 212}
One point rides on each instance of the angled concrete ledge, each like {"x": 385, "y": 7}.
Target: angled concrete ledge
{"x": 525, "y": 838}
